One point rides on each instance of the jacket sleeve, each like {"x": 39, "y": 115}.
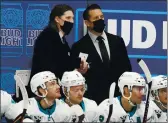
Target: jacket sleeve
{"x": 127, "y": 63}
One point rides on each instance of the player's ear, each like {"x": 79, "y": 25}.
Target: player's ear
{"x": 126, "y": 91}
{"x": 152, "y": 93}
{"x": 57, "y": 19}
{"x": 87, "y": 23}
{"x": 41, "y": 91}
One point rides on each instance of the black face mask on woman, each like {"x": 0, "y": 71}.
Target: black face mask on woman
{"x": 66, "y": 28}
{"x": 99, "y": 25}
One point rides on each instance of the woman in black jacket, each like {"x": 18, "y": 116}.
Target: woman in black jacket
{"x": 51, "y": 51}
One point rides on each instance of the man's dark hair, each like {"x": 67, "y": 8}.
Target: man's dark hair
{"x": 90, "y": 7}
{"x": 59, "y": 10}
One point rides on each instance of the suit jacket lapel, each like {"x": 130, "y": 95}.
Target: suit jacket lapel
{"x": 92, "y": 48}
{"x": 110, "y": 42}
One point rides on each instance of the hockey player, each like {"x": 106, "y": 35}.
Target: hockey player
{"x": 159, "y": 104}
{"x": 126, "y": 108}
{"x": 8, "y": 108}
{"x": 6, "y": 104}
{"x": 74, "y": 87}
{"x": 46, "y": 107}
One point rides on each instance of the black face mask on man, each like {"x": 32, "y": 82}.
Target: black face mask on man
{"x": 66, "y": 28}
{"x": 99, "y": 25}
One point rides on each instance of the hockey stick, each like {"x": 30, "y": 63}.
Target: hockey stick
{"x": 111, "y": 96}
{"x": 147, "y": 73}
{"x": 21, "y": 85}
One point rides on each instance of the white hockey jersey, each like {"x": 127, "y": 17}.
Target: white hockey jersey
{"x": 57, "y": 113}
{"x": 119, "y": 114}
{"x": 89, "y": 108}
{"x": 6, "y": 105}
{"x": 156, "y": 113}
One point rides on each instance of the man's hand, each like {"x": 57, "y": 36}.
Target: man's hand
{"x": 83, "y": 66}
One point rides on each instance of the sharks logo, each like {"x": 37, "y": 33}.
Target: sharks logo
{"x": 123, "y": 118}
{"x": 158, "y": 113}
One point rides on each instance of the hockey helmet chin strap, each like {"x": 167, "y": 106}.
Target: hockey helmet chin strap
{"x": 44, "y": 97}
{"x": 67, "y": 95}
{"x": 157, "y": 95}
{"x": 128, "y": 98}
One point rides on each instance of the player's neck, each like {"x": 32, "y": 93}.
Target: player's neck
{"x": 126, "y": 105}
{"x": 47, "y": 104}
{"x": 68, "y": 102}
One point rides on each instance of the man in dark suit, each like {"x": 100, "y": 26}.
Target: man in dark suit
{"x": 51, "y": 50}
{"x": 107, "y": 55}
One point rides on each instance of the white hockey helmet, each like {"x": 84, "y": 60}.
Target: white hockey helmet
{"x": 130, "y": 79}
{"x": 159, "y": 82}
{"x": 40, "y": 79}
{"x": 72, "y": 78}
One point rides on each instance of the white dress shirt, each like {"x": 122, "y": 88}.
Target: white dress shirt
{"x": 61, "y": 35}
{"x": 96, "y": 42}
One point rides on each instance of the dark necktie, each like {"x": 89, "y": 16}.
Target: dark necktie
{"x": 103, "y": 50}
